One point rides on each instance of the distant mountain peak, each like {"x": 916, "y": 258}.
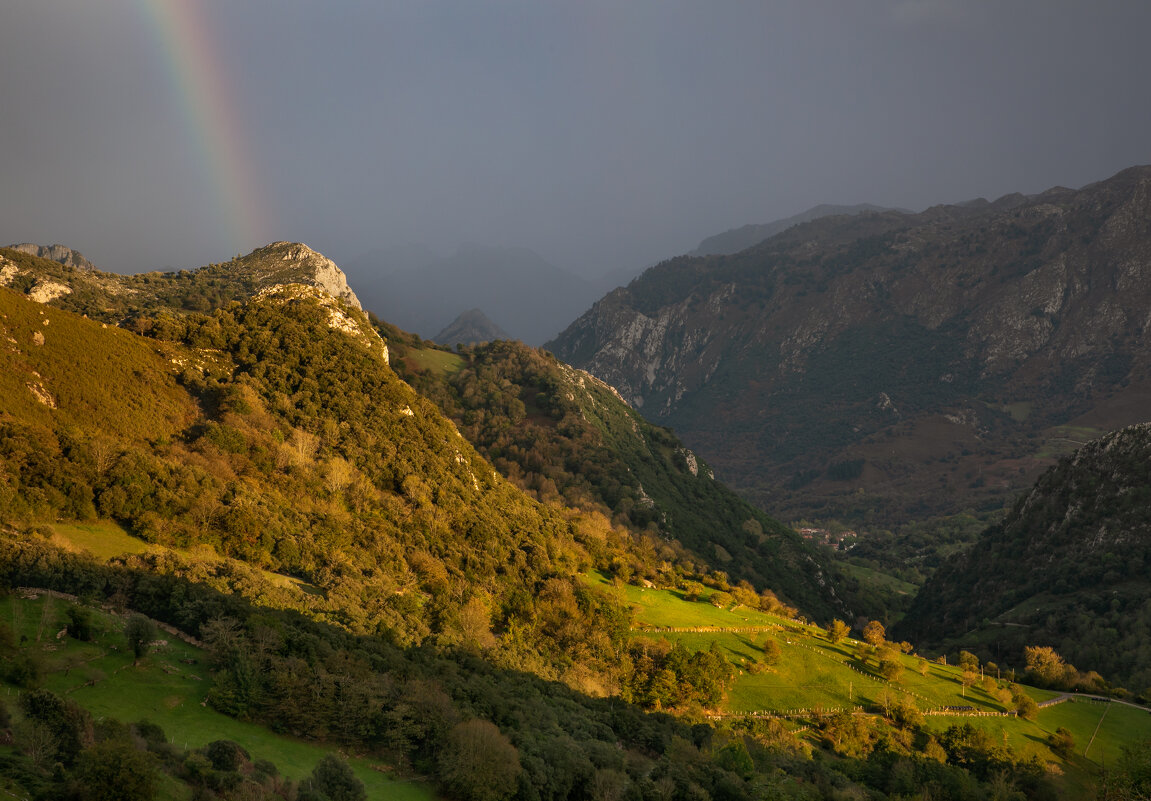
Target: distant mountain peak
{"x": 57, "y": 253}
{"x": 470, "y": 328}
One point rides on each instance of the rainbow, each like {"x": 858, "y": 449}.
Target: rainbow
{"x": 193, "y": 67}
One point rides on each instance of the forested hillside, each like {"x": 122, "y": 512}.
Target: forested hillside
{"x": 569, "y": 438}
{"x": 1067, "y": 568}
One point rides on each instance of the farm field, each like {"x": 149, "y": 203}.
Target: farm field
{"x": 813, "y": 676}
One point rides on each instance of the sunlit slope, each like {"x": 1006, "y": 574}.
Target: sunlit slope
{"x": 60, "y": 369}
{"x": 811, "y": 678}
{"x": 568, "y": 438}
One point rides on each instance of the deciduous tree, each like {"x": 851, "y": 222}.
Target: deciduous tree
{"x": 838, "y": 630}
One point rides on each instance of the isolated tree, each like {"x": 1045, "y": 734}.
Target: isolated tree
{"x": 891, "y": 668}
{"x": 838, "y": 630}
{"x": 139, "y": 631}
{"x": 966, "y": 679}
{"x": 968, "y": 660}
{"x": 1024, "y": 704}
{"x": 332, "y": 780}
{"x": 1062, "y": 743}
{"x": 226, "y": 754}
{"x": 771, "y": 652}
{"x": 1045, "y": 666}
{"x": 79, "y": 623}
{"x": 721, "y": 600}
{"x": 874, "y": 633}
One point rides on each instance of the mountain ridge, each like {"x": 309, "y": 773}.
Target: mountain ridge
{"x": 746, "y": 236}
{"x": 871, "y": 346}
{"x": 112, "y": 297}
{"x": 470, "y": 328}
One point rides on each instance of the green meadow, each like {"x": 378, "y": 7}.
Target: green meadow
{"x": 437, "y": 362}
{"x": 813, "y": 675}
{"x": 106, "y": 540}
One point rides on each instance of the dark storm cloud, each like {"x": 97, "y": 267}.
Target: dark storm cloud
{"x": 601, "y": 134}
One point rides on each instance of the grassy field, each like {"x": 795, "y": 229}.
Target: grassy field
{"x": 1063, "y": 440}
{"x": 815, "y": 675}
{"x": 669, "y": 609}
{"x": 438, "y": 362}
{"x": 167, "y": 687}
{"x": 106, "y": 540}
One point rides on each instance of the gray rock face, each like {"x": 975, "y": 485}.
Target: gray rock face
{"x": 987, "y": 326}
{"x": 293, "y": 262}
{"x": 57, "y": 253}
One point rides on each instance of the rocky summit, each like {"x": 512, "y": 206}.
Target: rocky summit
{"x": 115, "y": 298}
{"x": 881, "y": 364}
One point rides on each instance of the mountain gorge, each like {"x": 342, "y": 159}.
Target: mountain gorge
{"x": 884, "y": 366}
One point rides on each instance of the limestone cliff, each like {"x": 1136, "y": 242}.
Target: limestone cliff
{"x": 944, "y": 357}
{"x": 56, "y": 253}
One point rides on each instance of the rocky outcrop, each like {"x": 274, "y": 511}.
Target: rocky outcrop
{"x": 56, "y": 253}
{"x": 353, "y": 324}
{"x": 293, "y": 262}
{"x": 115, "y": 298}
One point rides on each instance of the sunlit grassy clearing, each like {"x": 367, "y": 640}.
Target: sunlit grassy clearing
{"x": 668, "y": 609}
{"x": 439, "y": 362}
{"x": 879, "y": 579}
{"x": 106, "y": 540}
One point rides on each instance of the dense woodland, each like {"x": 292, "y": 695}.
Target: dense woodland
{"x": 1067, "y": 567}
{"x": 483, "y": 732}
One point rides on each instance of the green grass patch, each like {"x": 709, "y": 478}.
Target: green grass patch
{"x": 669, "y": 608}
{"x": 437, "y": 362}
{"x": 1063, "y": 440}
{"x": 105, "y": 540}
{"x": 876, "y": 578}
{"x": 1019, "y": 412}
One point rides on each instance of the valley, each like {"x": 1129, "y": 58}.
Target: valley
{"x": 480, "y": 573}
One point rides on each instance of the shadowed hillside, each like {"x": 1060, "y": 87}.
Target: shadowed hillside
{"x": 885, "y": 366}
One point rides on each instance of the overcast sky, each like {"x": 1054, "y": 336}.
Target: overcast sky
{"x": 603, "y": 135}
